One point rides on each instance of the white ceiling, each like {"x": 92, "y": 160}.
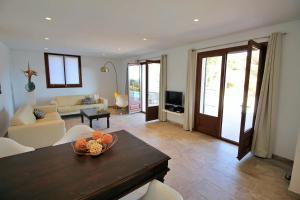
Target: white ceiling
{"x": 101, "y": 27}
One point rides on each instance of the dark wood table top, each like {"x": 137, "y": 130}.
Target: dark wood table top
{"x": 58, "y": 173}
{"x": 92, "y": 112}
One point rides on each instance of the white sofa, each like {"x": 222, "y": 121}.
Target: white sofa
{"x": 27, "y": 130}
{"x": 69, "y": 105}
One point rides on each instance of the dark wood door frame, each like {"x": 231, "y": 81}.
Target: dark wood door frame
{"x": 218, "y": 120}
{"x": 224, "y": 53}
{"x": 246, "y": 136}
{"x": 152, "y": 111}
{"x": 205, "y": 123}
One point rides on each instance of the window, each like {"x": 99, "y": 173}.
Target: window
{"x": 63, "y": 71}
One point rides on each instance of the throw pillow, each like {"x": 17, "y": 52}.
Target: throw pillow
{"x": 88, "y": 100}
{"x": 38, "y": 113}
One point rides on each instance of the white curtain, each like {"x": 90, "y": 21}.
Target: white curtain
{"x": 162, "y": 116}
{"x": 189, "y": 103}
{"x": 267, "y": 104}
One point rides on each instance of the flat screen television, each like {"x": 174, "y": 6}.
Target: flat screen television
{"x": 174, "y": 98}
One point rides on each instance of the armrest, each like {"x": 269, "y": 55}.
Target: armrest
{"x": 38, "y": 135}
{"x": 47, "y": 108}
{"x": 104, "y": 102}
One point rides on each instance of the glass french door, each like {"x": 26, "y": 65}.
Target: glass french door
{"x": 227, "y": 89}
{"x": 253, "y": 79}
{"x": 134, "y": 88}
{"x": 143, "y": 77}
{"x": 152, "y": 89}
{"x": 209, "y": 80}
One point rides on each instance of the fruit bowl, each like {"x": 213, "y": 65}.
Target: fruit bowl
{"x": 94, "y": 147}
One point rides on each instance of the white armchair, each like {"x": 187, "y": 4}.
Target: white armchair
{"x": 121, "y": 101}
{"x": 158, "y": 190}
{"x": 9, "y": 147}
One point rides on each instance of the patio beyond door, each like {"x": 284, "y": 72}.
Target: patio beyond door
{"x": 134, "y": 88}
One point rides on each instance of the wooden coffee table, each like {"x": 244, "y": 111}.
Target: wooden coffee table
{"x": 56, "y": 172}
{"x": 92, "y": 113}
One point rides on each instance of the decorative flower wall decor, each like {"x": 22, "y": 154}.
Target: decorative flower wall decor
{"x": 30, "y": 86}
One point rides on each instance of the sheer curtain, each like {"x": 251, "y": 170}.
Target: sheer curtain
{"x": 267, "y": 104}
{"x": 189, "y": 103}
{"x": 162, "y": 116}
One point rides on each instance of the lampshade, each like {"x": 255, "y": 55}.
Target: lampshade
{"x": 104, "y": 69}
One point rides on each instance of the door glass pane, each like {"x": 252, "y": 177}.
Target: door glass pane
{"x": 153, "y": 84}
{"x": 72, "y": 70}
{"x": 233, "y": 95}
{"x": 144, "y": 88}
{"x": 210, "y": 85}
{"x": 56, "y": 69}
{"x": 252, "y": 88}
{"x": 134, "y": 88}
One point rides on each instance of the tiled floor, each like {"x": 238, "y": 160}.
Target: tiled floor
{"x": 203, "y": 167}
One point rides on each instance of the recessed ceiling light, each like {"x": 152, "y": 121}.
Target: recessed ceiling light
{"x": 144, "y": 39}
{"x": 48, "y": 18}
{"x": 196, "y": 20}
{"x": 46, "y": 38}
{"x": 46, "y": 48}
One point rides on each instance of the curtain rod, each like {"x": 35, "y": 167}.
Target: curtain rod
{"x": 157, "y": 57}
{"x": 262, "y": 37}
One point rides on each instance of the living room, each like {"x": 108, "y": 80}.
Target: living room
{"x": 203, "y": 163}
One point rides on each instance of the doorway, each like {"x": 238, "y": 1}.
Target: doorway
{"x": 143, "y": 88}
{"x": 227, "y": 90}
{"x": 134, "y": 88}
{"x": 233, "y": 95}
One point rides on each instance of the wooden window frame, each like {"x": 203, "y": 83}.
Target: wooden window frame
{"x": 49, "y": 85}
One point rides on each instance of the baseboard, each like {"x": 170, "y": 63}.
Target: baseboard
{"x": 282, "y": 159}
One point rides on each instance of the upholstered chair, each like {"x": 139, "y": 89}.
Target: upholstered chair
{"x": 158, "y": 190}
{"x": 78, "y": 131}
{"x": 9, "y": 147}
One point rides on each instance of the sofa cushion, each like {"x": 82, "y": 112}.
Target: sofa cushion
{"x": 88, "y": 100}
{"x": 67, "y": 109}
{"x": 39, "y": 114}
{"x": 23, "y": 116}
{"x": 76, "y": 108}
{"x": 49, "y": 117}
{"x": 98, "y": 106}
{"x": 69, "y": 100}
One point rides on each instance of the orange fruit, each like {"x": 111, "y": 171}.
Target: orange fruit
{"x": 107, "y": 138}
{"x": 96, "y": 135}
{"x": 80, "y": 144}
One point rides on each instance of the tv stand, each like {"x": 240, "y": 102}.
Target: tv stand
{"x": 174, "y": 108}
{"x": 173, "y": 113}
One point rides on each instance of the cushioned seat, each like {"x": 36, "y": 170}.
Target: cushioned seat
{"x": 49, "y": 116}
{"x": 9, "y": 147}
{"x": 68, "y": 105}
{"x": 76, "y": 108}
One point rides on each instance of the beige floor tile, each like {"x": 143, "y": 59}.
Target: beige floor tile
{"x": 202, "y": 167}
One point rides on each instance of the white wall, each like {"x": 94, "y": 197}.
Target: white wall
{"x": 288, "y": 120}
{"x": 92, "y": 79}
{"x": 6, "y": 99}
